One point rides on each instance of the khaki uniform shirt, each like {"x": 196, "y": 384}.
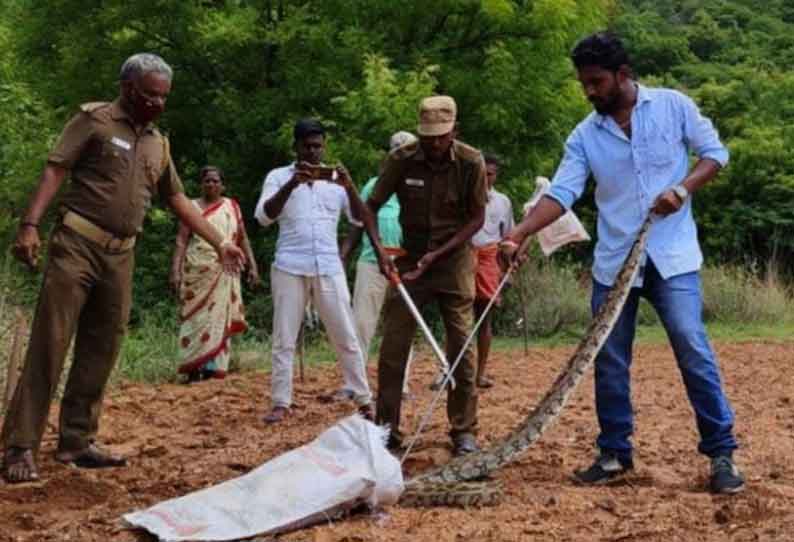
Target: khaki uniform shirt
{"x": 436, "y": 200}
{"x": 115, "y": 170}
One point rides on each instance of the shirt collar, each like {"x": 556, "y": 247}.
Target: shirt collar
{"x": 419, "y": 156}
{"x": 642, "y": 96}
{"x": 117, "y": 112}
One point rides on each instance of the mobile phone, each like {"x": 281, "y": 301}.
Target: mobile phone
{"x": 318, "y": 173}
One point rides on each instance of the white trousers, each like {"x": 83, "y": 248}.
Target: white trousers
{"x": 330, "y": 296}
{"x": 369, "y": 293}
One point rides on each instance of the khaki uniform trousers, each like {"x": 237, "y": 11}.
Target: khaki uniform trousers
{"x": 86, "y": 290}
{"x": 451, "y": 284}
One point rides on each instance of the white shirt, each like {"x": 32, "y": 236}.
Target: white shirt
{"x": 498, "y": 220}
{"x": 307, "y": 239}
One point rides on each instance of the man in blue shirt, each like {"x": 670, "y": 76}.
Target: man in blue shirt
{"x": 636, "y": 145}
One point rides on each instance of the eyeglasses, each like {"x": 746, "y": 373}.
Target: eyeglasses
{"x": 151, "y": 98}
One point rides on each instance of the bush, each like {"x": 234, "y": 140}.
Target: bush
{"x": 557, "y": 299}
{"x": 551, "y": 299}
{"x": 739, "y": 295}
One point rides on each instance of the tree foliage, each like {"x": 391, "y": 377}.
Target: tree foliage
{"x": 733, "y": 57}
{"x": 246, "y": 70}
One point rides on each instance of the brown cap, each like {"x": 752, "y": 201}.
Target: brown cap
{"x": 436, "y": 116}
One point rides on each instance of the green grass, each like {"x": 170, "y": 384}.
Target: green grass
{"x": 655, "y": 334}
{"x": 740, "y": 305}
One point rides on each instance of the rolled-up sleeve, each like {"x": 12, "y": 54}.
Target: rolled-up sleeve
{"x": 700, "y": 134}
{"x": 571, "y": 177}
{"x": 270, "y": 186}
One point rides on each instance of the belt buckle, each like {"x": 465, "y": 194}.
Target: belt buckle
{"x": 114, "y": 244}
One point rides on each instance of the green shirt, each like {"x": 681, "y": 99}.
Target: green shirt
{"x": 391, "y": 234}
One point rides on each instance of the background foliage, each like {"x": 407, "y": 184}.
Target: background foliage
{"x": 734, "y": 58}
{"x": 246, "y": 70}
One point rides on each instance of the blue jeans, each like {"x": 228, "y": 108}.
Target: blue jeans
{"x": 679, "y": 303}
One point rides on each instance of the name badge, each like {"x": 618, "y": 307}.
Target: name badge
{"x": 121, "y": 143}
{"x": 415, "y": 182}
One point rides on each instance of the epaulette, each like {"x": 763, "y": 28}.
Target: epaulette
{"x": 90, "y": 107}
{"x": 467, "y": 152}
{"x": 405, "y": 151}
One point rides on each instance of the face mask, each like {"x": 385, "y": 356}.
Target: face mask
{"x": 144, "y": 108}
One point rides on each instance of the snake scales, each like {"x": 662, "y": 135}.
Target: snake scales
{"x": 451, "y": 484}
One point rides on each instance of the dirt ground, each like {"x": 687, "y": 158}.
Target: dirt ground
{"x": 182, "y": 438}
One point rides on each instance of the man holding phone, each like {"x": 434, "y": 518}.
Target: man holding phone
{"x": 306, "y": 199}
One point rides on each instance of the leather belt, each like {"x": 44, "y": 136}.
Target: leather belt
{"x": 94, "y": 233}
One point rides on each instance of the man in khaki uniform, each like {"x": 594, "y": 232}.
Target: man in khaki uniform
{"x": 117, "y": 161}
{"x": 440, "y": 184}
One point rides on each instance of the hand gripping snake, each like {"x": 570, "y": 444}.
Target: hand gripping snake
{"x": 451, "y": 484}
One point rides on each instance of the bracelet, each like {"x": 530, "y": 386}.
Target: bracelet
{"x": 31, "y": 224}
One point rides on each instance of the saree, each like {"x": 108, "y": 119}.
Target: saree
{"x": 211, "y": 305}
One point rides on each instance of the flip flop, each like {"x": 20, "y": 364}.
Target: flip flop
{"x": 91, "y": 458}
{"x": 15, "y": 456}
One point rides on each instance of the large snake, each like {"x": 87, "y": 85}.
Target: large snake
{"x": 451, "y": 484}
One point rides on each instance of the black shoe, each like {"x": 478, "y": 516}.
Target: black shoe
{"x": 463, "y": 444}
{"x": 725, "y": 476}
{"x": 607, "y": 467}
{"x": 395, "y": 447}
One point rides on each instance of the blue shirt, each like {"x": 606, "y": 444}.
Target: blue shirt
{"x": 630, "y": 173}
{"x": 307, "y": 238}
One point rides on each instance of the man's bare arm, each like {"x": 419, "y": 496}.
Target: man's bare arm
{"x": 456, "y": 241}
{"x": 367, "y": 214}
{"x": 27, "y": 245}
{"x": 350, "y": 243}
{"x": 704, "y": 171}
{"x": 180, "y": 248}
{"x": 231, "y": 255}
{"x": 544, "y": 213}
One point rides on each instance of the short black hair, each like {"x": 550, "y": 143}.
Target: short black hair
{"x": 208, "y": 169}
{"x": 307, "y": 127}
{"x": 491, "y": 158}
{"x": 602, "y": 49}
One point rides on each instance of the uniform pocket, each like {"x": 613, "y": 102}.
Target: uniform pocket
{"x": 152, "y": 170}
{"x": 115, "y": 159}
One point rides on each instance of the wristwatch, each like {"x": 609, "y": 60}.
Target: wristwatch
{"x": 681, "y": 191}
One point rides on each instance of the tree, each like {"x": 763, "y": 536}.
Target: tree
{"x": 246, "y": 70}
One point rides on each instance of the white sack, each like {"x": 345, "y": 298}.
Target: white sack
{"x": 346, "y": 465}
{"x": 564, "y": 230}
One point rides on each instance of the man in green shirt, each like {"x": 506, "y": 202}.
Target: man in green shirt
{"x": 370, "y": 288}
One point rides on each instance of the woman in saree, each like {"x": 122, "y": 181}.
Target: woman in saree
{"x": 211, "y": 304}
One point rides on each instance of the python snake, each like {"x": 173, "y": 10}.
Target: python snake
{"x": 451, "y": 484}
